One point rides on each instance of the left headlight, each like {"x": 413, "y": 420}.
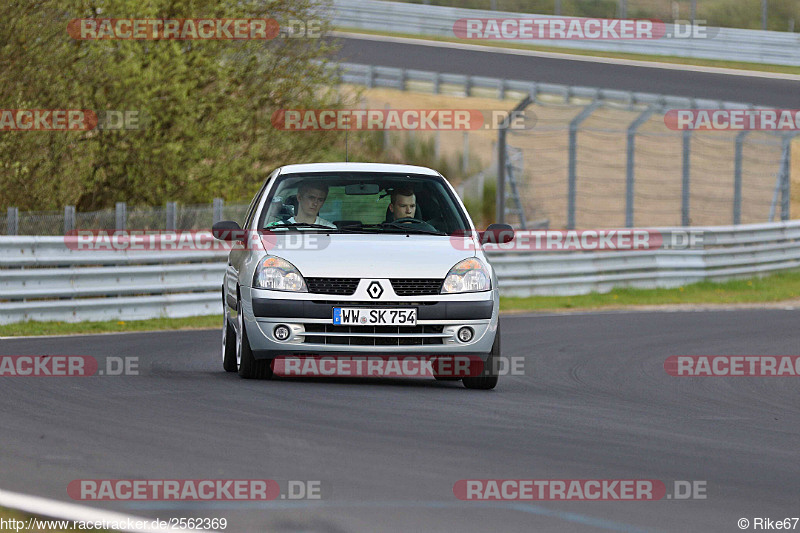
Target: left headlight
{"x": 469, "y": 275}
{"x": 278, "y": 275}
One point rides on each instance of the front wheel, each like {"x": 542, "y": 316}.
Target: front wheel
{"x": 228, "y": 344}
{"x": 249, "y": 366}
{"x": 488, "y": 378}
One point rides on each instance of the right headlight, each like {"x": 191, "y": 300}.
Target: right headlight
{"x": 469, "y": 275}
{"x": 278, "y": 274}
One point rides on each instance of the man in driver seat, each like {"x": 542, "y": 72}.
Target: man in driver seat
{"x": 404, "y": 203}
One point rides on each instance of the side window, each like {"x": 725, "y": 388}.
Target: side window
{"x": 251, "y": 211}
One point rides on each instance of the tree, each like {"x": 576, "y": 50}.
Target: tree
{"x": 206, "y": 104}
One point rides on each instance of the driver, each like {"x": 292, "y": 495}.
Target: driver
{"x": 311, "y": 195}
{"x": 404, "y": 203}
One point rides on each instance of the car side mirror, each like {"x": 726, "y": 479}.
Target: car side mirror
{"x": 228, "y": 230}
{"x": 497, "y": 234}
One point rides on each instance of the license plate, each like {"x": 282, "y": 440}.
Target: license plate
{"x": 361, "y": 316}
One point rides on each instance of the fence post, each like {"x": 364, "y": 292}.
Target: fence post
{"x": 686, "y": 173}
{"x": 737, "y": 178}
{"x": 121, "y": 216}
{"x": 12, "y": 221}
{"x": 572, "y": 179}
{"x": 786, "y": 171}
{"x": 465, "y": 154}
{"x": 69, "y": 218}
{"x": 172, "y": 216}
{"x": 629, "y": 171}
{"x": 218, "y": 204}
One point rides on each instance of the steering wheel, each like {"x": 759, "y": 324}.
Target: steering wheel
{"x": 408, "y": 219}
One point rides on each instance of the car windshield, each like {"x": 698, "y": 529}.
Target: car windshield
{"x": 347, "y": 202}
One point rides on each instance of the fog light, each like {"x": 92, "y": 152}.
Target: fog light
{"x": 465, "y": 334}
{"x": 281, "y": 333}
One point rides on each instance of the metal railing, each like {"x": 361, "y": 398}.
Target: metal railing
{"x": 43, "y": 279}
{"x": 724, "y": 44}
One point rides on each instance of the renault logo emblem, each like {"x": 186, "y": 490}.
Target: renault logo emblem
{"x": 375, "y": 290}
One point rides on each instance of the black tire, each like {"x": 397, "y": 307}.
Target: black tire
{"x": 488, "y": 378}
{"x": 228, "y": 347}
{"x": 249, "y": 366}
{"x": 442, "y": 378}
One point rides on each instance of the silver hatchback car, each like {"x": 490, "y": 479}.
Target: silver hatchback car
{"x": 359, "y": 259}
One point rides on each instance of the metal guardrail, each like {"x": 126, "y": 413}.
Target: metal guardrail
{"x": 41, "y": 279}
{"x": 725, "y": 44}
{"x": 401, "y": 79}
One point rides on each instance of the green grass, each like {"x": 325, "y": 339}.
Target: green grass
{"x": 639, "y": 57}
{"x": 780, "y": 287}
{"x": 775, "y": 288}
{"x": 111, "y": 326}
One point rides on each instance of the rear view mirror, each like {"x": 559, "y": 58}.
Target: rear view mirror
{"x": 497, "y": 234}
{"x": 362, "y": 188}
{"x": 227, "y": 230}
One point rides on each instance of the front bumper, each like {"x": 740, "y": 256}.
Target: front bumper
{"x": 310, "y": 320}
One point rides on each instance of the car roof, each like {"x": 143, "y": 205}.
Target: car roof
{"x": 356, "y": 167}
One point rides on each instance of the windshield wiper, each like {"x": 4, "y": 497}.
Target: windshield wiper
{"x": 396, "y": 228}
{"x": 300, "y": 225}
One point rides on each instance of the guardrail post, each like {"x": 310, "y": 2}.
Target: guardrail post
{"x": 572, "y": 179}
{"x": 468, "y": 86}
{"x": 218, "y": 204}
{"x": 737, "y": 177}
{"x": 785, "y": 175}
{"x": 629, "y": 169}
{"x": 437, "y": 83}
{"x": 370, "y": 76}
{"x": 12, "y": 221}
{"x": 501, "y": 89}
{"x": 403, "y": 79}
{"x": 121, "y": 216}
{"x": 172, "y": 216}
{"x": 69, "y": 218}
{"x": 686, "y": 174}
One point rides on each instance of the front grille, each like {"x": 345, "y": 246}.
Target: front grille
{"x": 374, "y": 335}
{"x": 339, "y": 286}
{"x": 416, "y": 287}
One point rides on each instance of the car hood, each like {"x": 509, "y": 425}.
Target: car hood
{"x": 369, "y": 255}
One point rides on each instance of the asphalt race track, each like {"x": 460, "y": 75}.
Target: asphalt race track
{"x": 595, "y": 403}
{"x": 762, "y": 91}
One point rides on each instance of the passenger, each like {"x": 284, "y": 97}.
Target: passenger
{"x": 311, "y": 195}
